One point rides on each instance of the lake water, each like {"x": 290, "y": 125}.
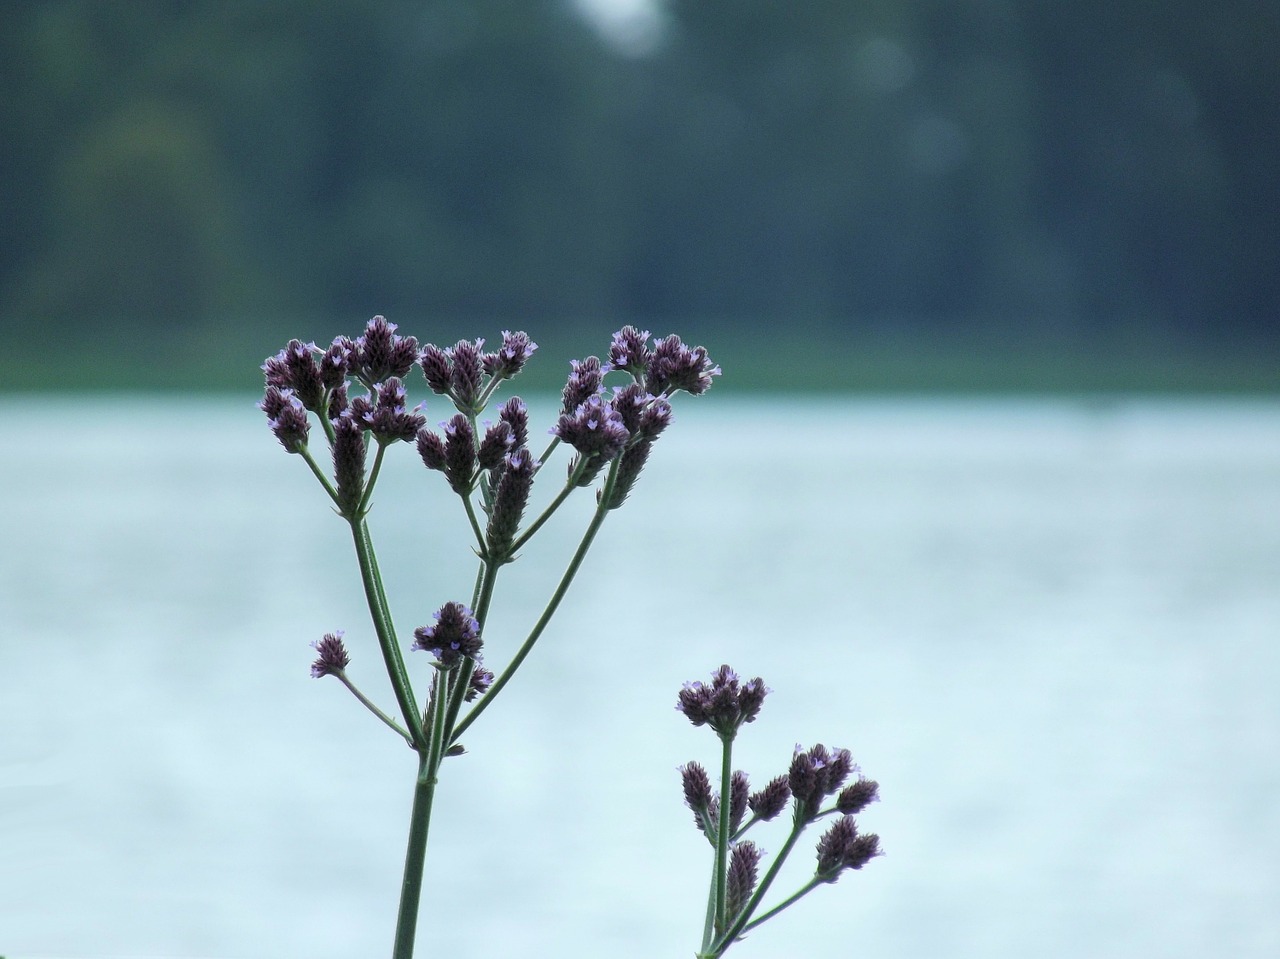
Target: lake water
{"x": 1051, "y": 630}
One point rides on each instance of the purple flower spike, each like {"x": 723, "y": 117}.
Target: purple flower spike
{"x": 674, "y": 366}
{"x": 295, "y": 368}
{"x": 432, "y": 450}
{"x": 630, "y": 351}
{"x": 286, "y": 417}
{"x": 481, "y": 680}
{"x": 388, "y": 419}
{"x": 585, "y": 381}
{"x": 466, "y": 372}
{"x": 437, "y": 368}
{"x": 770, "y": 801}
{"x": 857, "y": 796}
{"x": 348, "y": 460}
{"x": 333, "y": 657}
{"x": 744, "y": 863}
{"x": 843, "y": 847}
{"x": 335, "y": 364}
{"x": 380, "y": 354}
{"x": 594, "y": 428}
{"x": 454, "y": 637}
{"x": 516, "y": 414}
{"x": 460, "y": 453}
{"x": 498, "y": 439}
{"x": 725, "y": 704}
{"x": 816, "y": 774}
{"x": 510, "y": 359}
{"x": 509, "y": 501}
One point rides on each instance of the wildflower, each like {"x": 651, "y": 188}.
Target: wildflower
{"x": 295, "y": 368}
{"x": 725, "y": 704}
{"x": 286, "y": 418}
{"x": 333, "y": 657}
{"x": 817, "y": 774}
{"x": 510, "y": 358}
{"x": 697, "y": 791}
{"x": 348, "y": 460}
{"x": 585, "y": 381}
{"x": 515, "y": 414}
{"x": 843, "y": 847}
{"x": 498, "y": 438}
{"x": 436, "y": 367}
{"x": 594, "y": 429}
{"x": 768, "y": 802}
{"x": 460, "y": 453}
{"x": 466, "y": 373}
{"x": 387, "y": 418}
{"x": 481, "y": 680}
{"x": 629, "y": 351}
{"x": 335, "y": 364}
{"x": 379, "y": 354}
{"x": 509, "y": 500}
{"x": 857, "y": 796}
{"x": 744, "y": 862}
{"x": 454, "y": 637}
{"x": 673, "y": 366}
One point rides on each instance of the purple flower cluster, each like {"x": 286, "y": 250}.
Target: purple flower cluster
{"x": 332, "y": 658}
{"x": 725, "y": 704}
{"x": 816, "y": 774}
{"x": 843, "y": 847}
{"x": 459, "y": 371}
{"x": 454, "y": 637}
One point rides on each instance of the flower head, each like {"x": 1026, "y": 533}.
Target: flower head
{"x": 586, "y": 378}
{"x": 466, "y": 373}
{"x": 454, "y": 637}
{"x": 770, "y": 801}
{"x": 673, "y": 366}
{"x": 725, "y": 704}
{"x": 332, "y": 658}
{"x": 630, "y": 351}
{"x": 379, "y": 354}
{"x": 387, "y": 416}
{"x": 816, "y": 774}
{"x": 286, "y": 417}
{"x": 594, "y": 429}
{"x": 295, "y": 368}
{"x": 843, "y": 847}
{"x": 744, "y": 862}
{"x": 511, "y": 356}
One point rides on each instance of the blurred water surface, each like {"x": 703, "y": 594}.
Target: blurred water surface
{"x": 1051, "y": 630}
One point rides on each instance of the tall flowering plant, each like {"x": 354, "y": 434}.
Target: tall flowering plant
{"x": 354, "y": 391}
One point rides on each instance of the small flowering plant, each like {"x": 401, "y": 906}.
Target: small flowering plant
{"x": 814, "y": 777}
{"x": 353, "y": 393}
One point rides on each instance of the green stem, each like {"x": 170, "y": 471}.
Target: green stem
{"x": 570, "y": 485}
{"x": 475, "y": 523}
{"x": 740, "y": 923}
{"x": 415, "y": 855}
{"x": 552, "y": 605}
{"x": 373, "y": 478}
{"x": 722, "y": 829}
{"x": 371, "y": 706}
{"x": 790, "y": 900}
{"x": 383, "y": 626}
{"x": 319, "y": 474}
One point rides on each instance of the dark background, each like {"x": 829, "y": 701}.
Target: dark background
{"x": 992, "y": 194}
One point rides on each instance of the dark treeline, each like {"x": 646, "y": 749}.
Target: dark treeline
{"x": 1058, "y": 172}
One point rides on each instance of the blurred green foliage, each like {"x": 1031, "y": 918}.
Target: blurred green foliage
{"x": 936, "y": 192}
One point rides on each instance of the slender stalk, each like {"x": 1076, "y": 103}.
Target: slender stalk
{"x": 462, "y": 683}
{"x": 373, "y": 478}
{"x": 570, "y": 485}
{"x": 382, "y": 625}
{"x": 790, "y": 900}
{"x": 739, "y": 924}
{"x": 371, "y": 706}
{"x": 415, "y": 855}
{"x": 319, "y": 474}
{"x": 553, "y": 604}
{"x": 722, "y": 829}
